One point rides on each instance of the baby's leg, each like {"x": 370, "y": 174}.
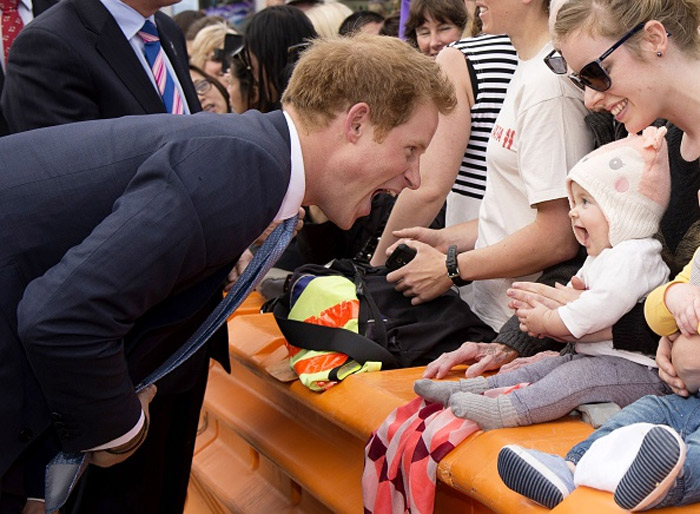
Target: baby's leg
{"x": 531, "y": 373}
{"x": 657, "y": 410}
{"x": 685, "y": 419}
{"x": 440, "y": 391}
{"x": 585, "y": 379}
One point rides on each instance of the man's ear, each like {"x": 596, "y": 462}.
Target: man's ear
{"x": 357, "y": 122}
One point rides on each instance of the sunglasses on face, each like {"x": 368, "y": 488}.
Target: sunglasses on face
{"x": 592, "y": 75}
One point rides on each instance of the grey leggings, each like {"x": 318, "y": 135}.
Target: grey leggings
{"x": 560, "y": 384}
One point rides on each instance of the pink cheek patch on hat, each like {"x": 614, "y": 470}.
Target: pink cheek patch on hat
{"x": 622, "y": 185}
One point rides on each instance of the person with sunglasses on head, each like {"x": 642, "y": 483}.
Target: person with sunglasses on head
{"x": 638, "y": 74}
{"x": 268, "y": 38}
{"x": 241, "y": 86}
{"x": 523, "y": 225}
{"x": 207, "y": 50}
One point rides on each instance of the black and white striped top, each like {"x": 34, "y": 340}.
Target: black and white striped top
{"x": 493, "y": 60}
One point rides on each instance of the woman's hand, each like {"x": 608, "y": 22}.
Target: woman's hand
{"x": 428, "y": 236}
{"x": 481, "y": 357}
{"x": 550, "y": 297}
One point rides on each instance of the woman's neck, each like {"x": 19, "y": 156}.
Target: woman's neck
{"x": 531, "y": 37}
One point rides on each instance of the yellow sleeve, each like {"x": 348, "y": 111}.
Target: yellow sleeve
{"x": 658, "y": 317}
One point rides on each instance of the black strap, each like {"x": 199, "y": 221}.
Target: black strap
{"x": 322, "y": 338}
{"x": 374, "y": 315}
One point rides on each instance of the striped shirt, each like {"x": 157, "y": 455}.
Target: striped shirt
{"x": 493, "y": 60}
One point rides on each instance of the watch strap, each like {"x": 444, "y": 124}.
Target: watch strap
{"x": 453, "y": 268}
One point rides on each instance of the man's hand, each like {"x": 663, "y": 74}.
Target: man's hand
{"x": 34, "y": 507}
{"x": 104, "y": 458}
{"x": 425, "y": 277}
{"x": 481, "y": 357}
{"x": 247, "y": 255}
{"x": 237, "y": 269}
{"x": 667, "y": 372}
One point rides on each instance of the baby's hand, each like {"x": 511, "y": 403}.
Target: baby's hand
{"x": 532, "y": 316}
{"x": 683, "y": 301}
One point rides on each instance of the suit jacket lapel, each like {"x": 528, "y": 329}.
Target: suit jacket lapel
{"x": 119, "y": 54}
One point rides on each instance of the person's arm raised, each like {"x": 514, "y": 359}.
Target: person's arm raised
{"x": 440, "y": 163}
{"x": 546, "y": 241}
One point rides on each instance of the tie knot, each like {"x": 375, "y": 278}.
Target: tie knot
{"x": 148, "y": 32}
{"x": 8, "y": 5}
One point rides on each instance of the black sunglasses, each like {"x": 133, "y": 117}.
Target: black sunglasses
{"x": 592, "y": 75}
{"x": 295, "y": 51}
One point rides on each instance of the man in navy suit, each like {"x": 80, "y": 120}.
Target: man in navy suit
{"x": 120, "y": 231}
{"x": 84, "y": 60}
{"x": 28, "y": 10}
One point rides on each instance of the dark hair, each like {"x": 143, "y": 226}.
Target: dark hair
{"x": 214, "y": 82}
{"x": 391, "y": 25}
{"x": 199, "y": 24}
{"x": 185, "y": 19}
{"x": 357, "y": 20}
{"x": 269, "y": 35}
{"x": 442, "y": 11}
{"x": 242, "y": 72}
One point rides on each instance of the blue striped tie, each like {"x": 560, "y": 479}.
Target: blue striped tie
{"x": 156, "y": 60}
{"x": 64, "y": 471}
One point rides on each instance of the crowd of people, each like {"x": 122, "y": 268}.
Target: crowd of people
{"x": 496, "y": 146}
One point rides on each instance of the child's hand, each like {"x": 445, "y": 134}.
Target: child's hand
{"x": 683, "y": 301}
{"x": 667, "y": 371}
{"x": 532, "y": 316}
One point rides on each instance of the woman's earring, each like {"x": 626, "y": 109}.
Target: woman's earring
{"x": 659, "y": 54}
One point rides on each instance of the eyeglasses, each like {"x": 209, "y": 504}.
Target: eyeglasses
{"x": 202, "y": 86}
{"x": 592, "y": 75}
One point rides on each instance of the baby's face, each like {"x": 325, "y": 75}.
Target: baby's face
{"x": 590, "y": 226}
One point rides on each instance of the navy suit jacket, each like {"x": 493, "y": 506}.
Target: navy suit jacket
{"x": 38, "y": 7}
{"x": 115, "y": 235}
{"x": 73, "y": 63}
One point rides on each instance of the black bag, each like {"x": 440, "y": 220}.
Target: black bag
{"x": 391, "y": 330}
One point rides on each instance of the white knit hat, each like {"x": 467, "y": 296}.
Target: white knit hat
{"x": 630, "y": 181}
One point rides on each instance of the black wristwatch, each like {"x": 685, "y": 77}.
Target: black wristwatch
{"x": 453, "y": 269}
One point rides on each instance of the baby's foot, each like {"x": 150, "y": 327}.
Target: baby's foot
{"x": 440, "y": 391}
{"x": 543, "y": 477}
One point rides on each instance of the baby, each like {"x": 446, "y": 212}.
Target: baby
{"x": 617, "y": 194}
{"x": 647, "y": 454}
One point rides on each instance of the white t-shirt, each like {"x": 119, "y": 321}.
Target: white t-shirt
{"x": 616, "y": 280}
{"x": 539, "y": 135}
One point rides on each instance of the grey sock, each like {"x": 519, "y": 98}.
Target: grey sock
{"x": 487, "y": 412}
{"x": 440, "y": 391}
